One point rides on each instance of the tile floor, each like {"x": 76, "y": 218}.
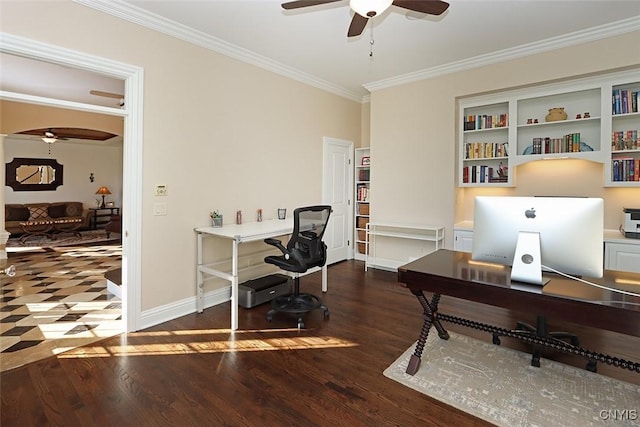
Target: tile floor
{"x": 57, "y": 301}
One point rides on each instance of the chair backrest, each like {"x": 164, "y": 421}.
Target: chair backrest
{"x": 309, "y": 225}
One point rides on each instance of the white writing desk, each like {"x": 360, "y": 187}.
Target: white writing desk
{"x": 238, "y": 233}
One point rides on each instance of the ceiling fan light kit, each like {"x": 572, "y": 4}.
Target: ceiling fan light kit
{"x": 49, "y": 137}
{"x": 369, "y": 8}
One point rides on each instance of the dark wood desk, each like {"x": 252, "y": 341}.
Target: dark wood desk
{"x": 450, "y": 273}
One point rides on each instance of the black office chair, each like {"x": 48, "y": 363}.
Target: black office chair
{"x": 304, "y": 250}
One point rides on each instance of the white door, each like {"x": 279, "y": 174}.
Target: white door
{"x": 337, "y": 183}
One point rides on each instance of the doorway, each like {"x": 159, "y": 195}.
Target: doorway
{"x": 132, "y": 148}
{"x": 337, "y": 191}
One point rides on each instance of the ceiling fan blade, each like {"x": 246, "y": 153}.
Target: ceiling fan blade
{"x": 106, "y": 94}
{"x": 357, "y": 25}
{"x": 432, "y": 7}
{"x": 305, "y": 3}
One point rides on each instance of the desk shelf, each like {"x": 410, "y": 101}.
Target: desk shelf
{"x": 419, "y": 241}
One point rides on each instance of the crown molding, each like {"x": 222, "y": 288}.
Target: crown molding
{"x": 158, "y": 23}
{"x": 554, "y": 43}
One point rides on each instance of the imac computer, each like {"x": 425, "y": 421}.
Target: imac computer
{"x": 532, "y": 234}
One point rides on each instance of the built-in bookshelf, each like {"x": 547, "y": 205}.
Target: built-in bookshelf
{"x": 625, "y": 147}
{"x": 485, "y": 144}
{"x": 594, "y": 119}
{"x": 362, "y": 200}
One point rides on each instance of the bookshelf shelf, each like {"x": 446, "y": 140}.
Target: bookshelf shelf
{"x": 418, "y": 241}
{"x": 362, "y": 201}
{"x": 608, "y": 134}
{"x": 559, "y": 123}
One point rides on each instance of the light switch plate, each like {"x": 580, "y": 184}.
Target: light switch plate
{"x": 161, "y": 190}
{"x": 159, "y": 208}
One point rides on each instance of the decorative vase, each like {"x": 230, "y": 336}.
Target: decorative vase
{"x": 217, "y": 221}
{"x": 556, "y": 114}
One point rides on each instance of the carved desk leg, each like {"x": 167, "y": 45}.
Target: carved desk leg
{"x": 430, "y": 318}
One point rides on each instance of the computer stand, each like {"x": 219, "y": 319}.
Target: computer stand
{"x": 554, "y": 340}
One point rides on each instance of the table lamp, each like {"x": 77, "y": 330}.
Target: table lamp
{"x": 102, "y": 191}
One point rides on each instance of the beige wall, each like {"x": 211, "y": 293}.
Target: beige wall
{"x": 79, "y": 160}
{"x": 413, "y": 138}
{"x": 365, "y": 126}
{"x": 219, "y": 133}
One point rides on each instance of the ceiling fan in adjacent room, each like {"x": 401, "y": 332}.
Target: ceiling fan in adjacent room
{"x": 50, "y": 137}
{"x": 109, "y": 95}
{"x": 365, "y": 9}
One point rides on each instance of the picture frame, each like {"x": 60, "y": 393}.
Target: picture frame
{"x": 366, "y": 160}
{"x": 110, "y": 204}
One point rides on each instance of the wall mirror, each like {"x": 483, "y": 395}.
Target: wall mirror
{"x": 23, "y": 174}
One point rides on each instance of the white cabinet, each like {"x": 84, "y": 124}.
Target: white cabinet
{"x": 620, "y": 253}
{"x": 362, "y": 201}
{"x": 462, "y": 240}
{"x": 622, "y": 256}
{"x": 599, "y": 121}
{"x": 412, "y": 242}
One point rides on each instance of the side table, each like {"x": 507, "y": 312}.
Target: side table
{"x": 100, "y": 216}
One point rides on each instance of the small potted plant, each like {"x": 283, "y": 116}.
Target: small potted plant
{"x": 216, "y": 219}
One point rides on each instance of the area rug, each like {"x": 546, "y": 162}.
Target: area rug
{"x": 64, "y": 239}
{"x": 499, "y": 385}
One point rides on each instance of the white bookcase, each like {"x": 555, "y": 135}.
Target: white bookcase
{"x": 362, "y": 195}
{"x": 420, "y": 240}
{"x": 501, "y": 131}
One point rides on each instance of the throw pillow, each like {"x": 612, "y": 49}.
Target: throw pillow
{"x": 16, "y": 213}
{"x": 38, "y": 212}
{"x": 57, "y": 211}
{"x": 74, "y": 209}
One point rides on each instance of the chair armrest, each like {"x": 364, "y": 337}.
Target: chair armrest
{"x": 278, "y": 244}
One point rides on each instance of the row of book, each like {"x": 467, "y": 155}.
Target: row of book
{"x": 362, "y": 194}
{"x": 569, "y": 143}
{"x": 625, "y": 140}
{"x": 624, "y": 101}
{"x": 479, "y": 174}
{"x": 485, "y": 121}
{"x": 363, "y": 175}
{"x": 625, "y": 169}
{"x": 485, "y": 150}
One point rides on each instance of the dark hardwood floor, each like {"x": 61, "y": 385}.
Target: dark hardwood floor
{"x": 194, "y": 371}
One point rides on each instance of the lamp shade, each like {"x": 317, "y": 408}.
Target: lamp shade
{"x": 103, "y": 190}
{"x": 369, "y": 8}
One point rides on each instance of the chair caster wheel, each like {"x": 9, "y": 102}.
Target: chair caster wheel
{"x": 269, "y": 318}
{"x": 496, "y": 340}
{"x": 326, "y": 315}
{"x": 300, "y": 325}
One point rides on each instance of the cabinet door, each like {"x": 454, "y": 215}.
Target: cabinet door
{"x": 462, "y": 240}
{"x": 622, "y": 257}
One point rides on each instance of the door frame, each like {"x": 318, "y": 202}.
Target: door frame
{"x": 132, "y": 114}
{"x": 349, "y": 184}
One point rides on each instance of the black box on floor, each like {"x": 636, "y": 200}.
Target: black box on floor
{"x": 257, "y": 291}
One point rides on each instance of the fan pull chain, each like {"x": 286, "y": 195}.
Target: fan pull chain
{"x": 371, "y": 41}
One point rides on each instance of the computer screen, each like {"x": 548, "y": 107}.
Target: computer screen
{"x": 531, "y": 233}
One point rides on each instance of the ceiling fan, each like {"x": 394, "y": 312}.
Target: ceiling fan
{"x": 365, "y": 9}
{"x": 109, "y": 95}
{"x": 49, "y": 137}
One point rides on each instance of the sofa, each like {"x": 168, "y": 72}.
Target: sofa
{"x": 14, "y": 214}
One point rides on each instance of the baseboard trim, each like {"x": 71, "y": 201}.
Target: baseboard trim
{"x": 161, "y": 314}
